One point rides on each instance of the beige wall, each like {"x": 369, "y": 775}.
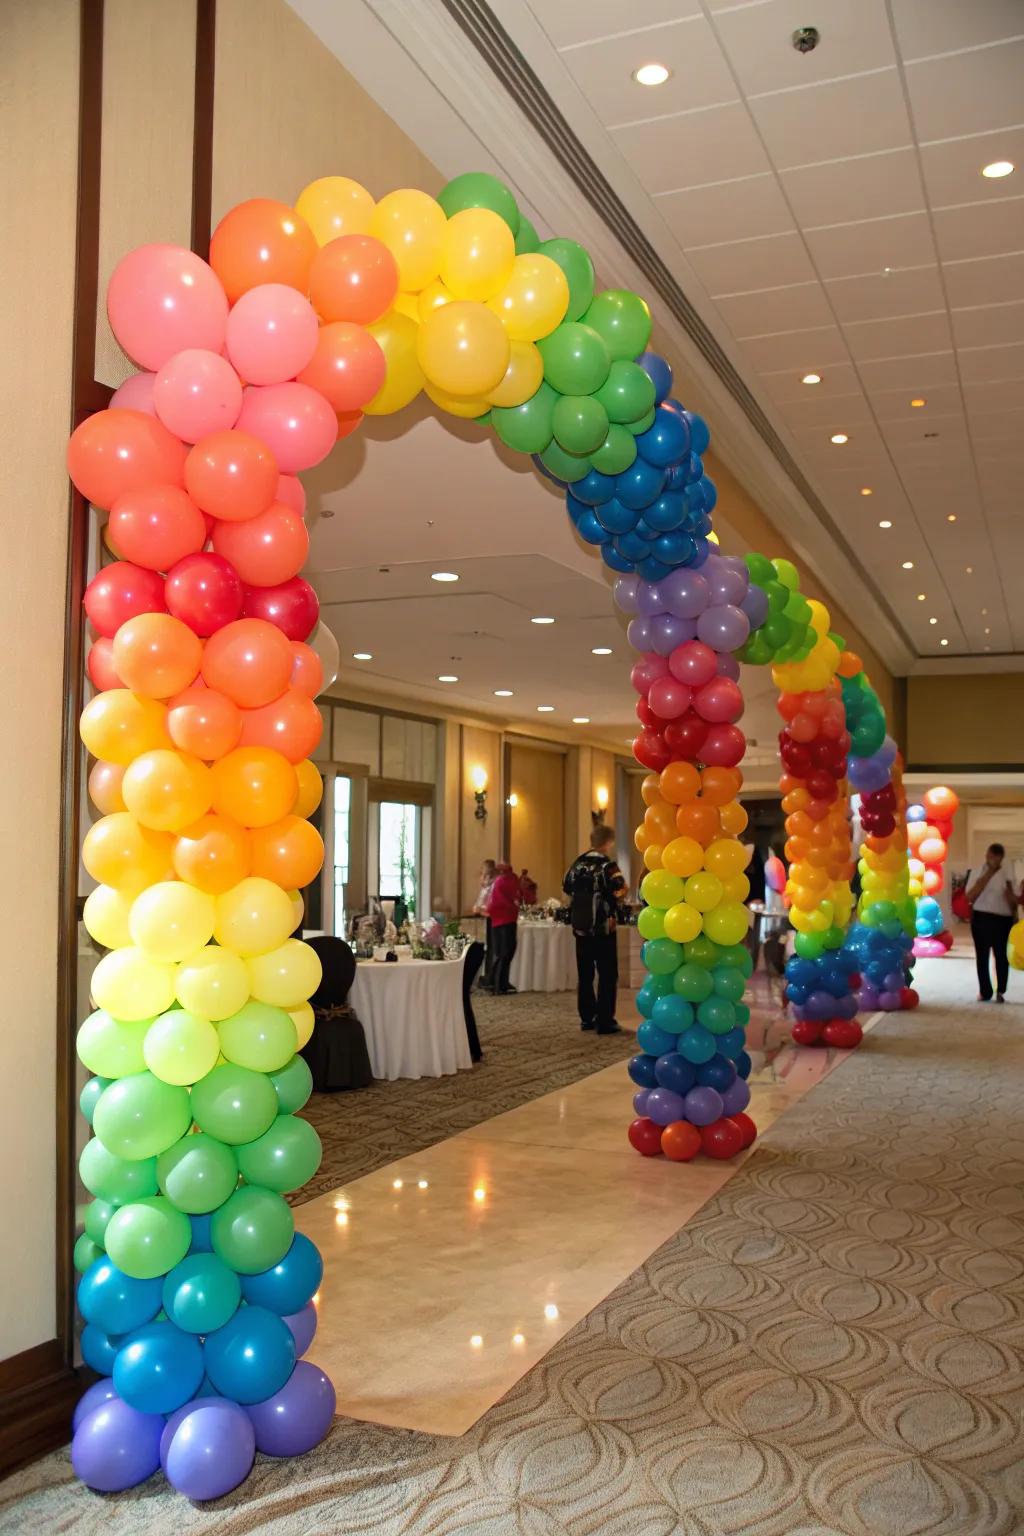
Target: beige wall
{"x": 537, "y": 822}
{"x": 963, "y": 721}
{"x": 480, "y": 748}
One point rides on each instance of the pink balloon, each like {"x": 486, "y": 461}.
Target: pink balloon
{"x": 163, "y": 299}
{"x": 693, "y": 663}
{"x": 646, "y": 670}
{"x": 136, "y": 394}
{"x": 719, "y": 701}
{"x": 272, "y": 333}
{"x": 295, "y": 422}
{"x": 669, "y": 698}
{"x": 292, "y": 492}
{"x": 197, "y": 393}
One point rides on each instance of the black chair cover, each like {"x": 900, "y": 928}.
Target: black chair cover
{"x": 471, "y": 966}
{"x": 336, "y": 1052}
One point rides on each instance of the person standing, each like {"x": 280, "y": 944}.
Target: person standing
{"x": 503, "y": 910}
{"x": 993, "y": 913}
{"x": 595, "y": 886}
{"x": 488, "y": 870}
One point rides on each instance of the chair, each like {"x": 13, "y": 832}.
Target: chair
{"x": 473, "y": 960}
{"x": 336, "y": 1051}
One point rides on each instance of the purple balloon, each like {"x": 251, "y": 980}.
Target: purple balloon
{"x": 211, "y": 1450}
{"x": 210, "y": 1394}
{"x": 664, "y": 1106}
{"x": 640, "y": 1101}
{"x": 890, "y": 1001}
{"x": 735, "y": 1098}
{"x": 724, "y": 627}
{"x": 116, "y": 1447}
{"x": 649, "y": 599}
{"x": 725, "y": 584}
{"x": 755, "y": 606}
{"x": 867, "y": 999}
{"x": 844, "y": 1007}
{"x": 99, "y": 1393}
{"x": 303, "y": 1328}
{"x": 703, "y": 1106}
{"x": 818, "y": 1006}
{"x": 892, "y": 981}
{"x": 638, "y": 633}
{"x": 728, "y": 666}
{"x": 684, "y": 592}
{"x": 668, "y": 631}
{"x": 625, "y": 593}
{"x": 296, "y": 1418}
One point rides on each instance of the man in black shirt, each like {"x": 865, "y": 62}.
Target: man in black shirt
{"x": 595, "y": 885}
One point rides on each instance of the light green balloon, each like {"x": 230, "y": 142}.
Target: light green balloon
{"x": 112, "y": 1047}
{"x": 567, "y": 466}
{"x": 528, "y": 427}
{"x": 258, "y": 1036}
{"x": 293, "y": 1085}
{"x": 580, "y": 422}
{"x": 284, "y": 1157}
{"x": 622, "y": 320}
{"x": 139, "y": 1116}
{"x": 97, "y": 1219}
{"x": 114, "y": 1178}
{"x": 233, "y": 1104}
{"x": 148, "y": 1237}
{"x": 651, "y": 923}
{"x": 89, "y": 1096}
{"x": 180, "y": 1047}
{"x": 197, "y": 1174}
{"x": 253, "y": 1229}
{"x": 86, "y": 1252}
{"x": 642, "y": 423}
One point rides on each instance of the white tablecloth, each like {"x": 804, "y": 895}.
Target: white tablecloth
{"x": 545, "y": 958}
{"x": 413, "y": 1017}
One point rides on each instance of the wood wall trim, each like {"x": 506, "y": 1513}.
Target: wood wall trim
{"x": 38, "y": 1393}
{"x": 202, "y": 126}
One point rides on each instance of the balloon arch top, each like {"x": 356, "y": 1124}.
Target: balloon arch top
{"x": 196, "y": 1293}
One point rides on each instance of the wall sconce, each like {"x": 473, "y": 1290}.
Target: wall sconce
{"x": 601, "y": 796}
{"x": 478, "y": 779}
{"x": 512, "y": 801}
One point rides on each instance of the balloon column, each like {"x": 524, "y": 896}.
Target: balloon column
{"x": 929, "y": 826}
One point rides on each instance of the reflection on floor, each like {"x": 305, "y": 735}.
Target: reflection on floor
{"x": 452, "y": 1271}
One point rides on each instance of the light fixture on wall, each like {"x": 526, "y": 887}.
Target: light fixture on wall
{"x": 512, "y": 801}
{"x": 478, "y": 779}
{"x": 601, "y": 796}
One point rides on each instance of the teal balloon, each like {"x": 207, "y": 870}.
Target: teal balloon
{"x": 717, "y": 1014}
{"x": 697, "y": 1045}
{"x": 567, "y": 466}
{"x": 672, "y": 1013}
{"x": 693, "y": 981}
{"x": 616, "y": 453}
{"x": 197, "y": 1174}
{"x": 148, "y": 1237}
{"x": 284, "y": 1157}
{"x": 478, "y": 189}
{"x": 622, "y": 320}
{"x": 97, "y": 1219}
{"x": 728, "y": 982}
{"x": 252, "y": 1230}
{"x": 293, "y": 1085}
{"x": 662, "y": 956}
{"x": 90, "y": 1094}
{"x": 528, "y": 428}
{"x": 110, "y": 1177}
{"x": 527, "y": 240}
{"x": 580, "y": 423}
{"x": 86, "y": 1252}
{"x": 642, "y": 424}
{"x": 234, "y": 1104}
{"x": 628, "y": 393}
{"x": 114, "y": 1301}
{"x": 201, "y": 1293}
{"x": 579, "y": 273}
{"x": 139, "y": 1116}
{"x": 576, "y": 359}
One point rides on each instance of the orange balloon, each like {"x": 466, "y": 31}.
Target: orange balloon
{"x": 307, "y": 669}
{"x": 718, "y": 785}
{"x": 117, "y": 451}
{"x": 100, "y": 664}
{"x": 941, "y": 802}
{"x": 917, "y": 831}
{"x": 650, "y": 788}
{"x": 289, "y": 852}
{"x": 800, "y": 824}
{"x": 734, "y": 819}
{"x": 850, "y": 664}
{"x": 231, "y": 475}
{"x": 254, "y": 786}
{"x": 105, "y": 787}
{"x": 156, "y": 654}
{"x": 652, "y": 856}
{"x": 204, "y": 722}
{"x": 348, "y": 367}
{"x": 118, "y": 851}
{"x": 212, "y": 854}
{"x": 311, "y": 787}
{"x": 680, "y": 782}
{"x": 119, "y": 725}
{"x": 262, "y": 241}
{"x": 166, "y": 790}
{"x": 250, "y": 660}
{"x": 699, "y": 820}
{"x": 266, "y": 549}
{"x": 660, "y": 822}
{"x": 354, "y": 277}
{"x": 291, "y": 724}
{"x": 641, "y": 838}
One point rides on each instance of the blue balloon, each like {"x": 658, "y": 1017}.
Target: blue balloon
{"x": 675, "y": 1073}
{"x": 99, "y": 1349}
{"x": 652, "y": 569}
{"x": 158, "y": 1368}
{"x": 616, "y": 562}
{"x": 645, "y": 1001}
{"x": 916, "y": 813}
{"x": 718, "y": 1073}
{"x": 201, "y": 1293}
{"x": 654, "y": 1041}
{"x": 697, "y": 1044}
{"x": 631, "y": 545}
{"x": 703, "y": 550}
{"x": 659, "y": 371}
{"x": 666, "y": 441}
{"x": 616, "y": 517}
{"x": 796, "y": 994}
{"x": 693, "y": 470}
{"x": 289, "y": 1285}
{"x": 252, "y": 1356}
{"x": 801, "y": 972}
{"x": 731, "y": 1043}
{"x": 673, "y": 1014}
{"x": 744, "y": 1065}
{"x": 645, "y": 530}
{"x": 710, "y": 494}
{"x": 667, "y": 513}
{"x": 640, "y": 485}
{"x": 202, "y": 1242}
{"x": 641, "y": 1070}
{"x": 675, "y": 548}
{"x": 595, "y": 488}
{"x": 575, "y": 508}
{"x": 700, "y": 435}
{"x": 114, "y": 1301}
{"x": 590, "y": 529}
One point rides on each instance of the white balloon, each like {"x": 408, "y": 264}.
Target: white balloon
{"x": 326, "y": 647}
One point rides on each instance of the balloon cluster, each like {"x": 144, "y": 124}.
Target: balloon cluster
{"x": 780, "y": 616}
{"x": 929, "y": 826}
{"x": 882, "y": 937}
{"x": 1015, "y": 946}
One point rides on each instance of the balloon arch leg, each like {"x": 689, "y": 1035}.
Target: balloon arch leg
{"x": 196, "y": 1293}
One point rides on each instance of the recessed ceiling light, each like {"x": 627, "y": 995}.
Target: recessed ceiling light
{"x": 887, "y": 270}
{"x": 840, "y": 437}
{"x": 908, "y": 565}
{"x": 951, "y": 517}
{"x": 988, "y": 647}
{"x": 885, "y": 523}
{"x": 361, "y": 656}
{"x": 997, "y": 169}
{"x": 545, "y": 709}
{"x": 447, "y": 677}
{"x": 503, "y": 693}
{"x": 601, "y": 650}
{"x": 542, "y": 620}
{"x": 918, "y": 403}
{"x": 988, "y": 631}
{"x": 866, "y": 490}
{"x": 933, "y": 621}
{"x": 969, "y": 569}
{"x": 443, "y": 576}
{"x": 811, "y": 378}
{"x": 921, "y": 597}
{"x": 984, "y": 613}
{"x": 943, "y": 642}
{"x": 651, "y": 74}
{"x": 585, "y": 719}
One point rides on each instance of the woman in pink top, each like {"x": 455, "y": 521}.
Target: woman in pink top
{"x": 503, "y": 911}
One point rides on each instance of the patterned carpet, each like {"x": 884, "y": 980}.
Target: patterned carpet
{"x": 831, "y": 1347}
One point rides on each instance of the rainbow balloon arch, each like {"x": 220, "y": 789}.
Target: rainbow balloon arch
{"x": 196, "y": 1293}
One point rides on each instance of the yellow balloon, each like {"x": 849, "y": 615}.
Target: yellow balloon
{"x": 117, "y": 851}
{"x": 434, "y": 296}
{"x": 821, "y": 621}
{"x": 181, "y": 1047}
{"x": 118, "y": 725}
{"x": 462, "y": 348}
{"x": 213, "y": 982}
{"x": 396, "y": 334}
{"x": 682, "y": 856}
{"x": 335, "y": 205}
{"x": 254, "y": 917}
{"x": 534, "y": 299}
{"x": 469, "y": 407}
{"x": 408, "y": 304}
{"x": 477, "y": 254}
{"x": 735, "y": 888}
{"x": 285, "y": 976}
{"x": 171, "y": 920}
{"x": 704, "y": 890}
{"x": 311, "y": 788}
{"x": 298, "y": 909}
{"x": 305, "y": 1022}
{"x": 652, "y": 856}
{"x": 129, "y": 984}
{"x": 725, "y": 856}
{"x": 167, "y": 790}
{"x": 105, "y": 916}
{"x": 412, "y": 225}
{"x": 523, "y": 376}
{"x": 683, "y": 922}
{"x": 728, "y": 923}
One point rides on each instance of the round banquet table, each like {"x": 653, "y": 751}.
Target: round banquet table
{"x": 545, "y": 958}
{"x": 412, "y": 1013}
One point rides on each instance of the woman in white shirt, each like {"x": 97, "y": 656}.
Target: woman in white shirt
{"x": 488, "y": 870}
{"x": 993, "y": 913}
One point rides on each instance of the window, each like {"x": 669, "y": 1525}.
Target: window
{"x": 342, "y": 806}
{"x": 399, "y": 854}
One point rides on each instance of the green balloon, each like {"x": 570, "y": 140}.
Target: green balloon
{"x": 579, "y": 273}
{"x": 89, "y": 1096}
{"x": 293, "y": 1085}
{"x": 258, "y": 1036}
{"x": 837, "y": 640}
{"x": 642, "y": 423}
{"x": 628, "y": 393}
{"x": 201, "y": 1293}
{"x": 623, "y": 320}
{"x": 776, "y": 631}
{"x": 729, "y": 982}
{"x": 253, "y": 1229}
{"x": 114, "y": 1178}
{"x": 580, "y": 422}
{"x": 86, "y": 1252}
{"x": 756, "y": 652}
{"x": 717, "y": 1014}
{"x": 809, "y": 946}
{"x": 527, "y": 240}
{"x": 233, "y": 1104}
{"x": 737, "y": 957}
{"x": 576, "y": 359}
{"x": 662, "y": 956}
{"x": 701, "y": 951}
{"x": 567, "y": 466}
{"x": 284, "y": 1157}
{"x": 787, "y": 573}
{"x": 693, "y": 981}
{"x": 112, "y": 1047}
{"x": 97, "y": 1219}
{"x": 761, "y": 569}
{"x": 197, "y": 1174}
{"x": 528, "y": 427}
{"x": 139, "y": 1116}
{"x": 777, "y": 595}
{"x": 798, "y": 609}
{"x": 617, "y": 452}
{"x": 651, "y": 923}
{"x": 478, "y": 189}
{"x": 148, "y": 1237}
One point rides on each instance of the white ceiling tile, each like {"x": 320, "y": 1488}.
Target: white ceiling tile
{"x": 988, "y": 281}
{"x": 967, "y": 92}
{"x": 794, "y": 308}
{"x": 844, "y": 190}
{"x": 988, "y": 326}
{"x": 840, "y": 379}
{"x": 850, "y": 250}
{"x": 747, "y": 264}
{"x": 729, "y": 210}
{"x": 700, "y": 76}
{"x": 880, "y": 295}
{"x": 855, "y": 36}
{"x": 800, "y": 350}
{"x": 578, "y": 21}
{"x": 980, "y": 229}
{"x": 828, "y": 122}
{"x": 952, "y": 168}
{"x": 693, "y": 148}
{"x": 908, "y": 337}
{"x": 817, "y": 410}
{"x": 989, "y": 365}
{"x": 925, "y": 27}
{"x": 910, "y": 373}
{"x": 982, "y": 398}
{"x": 951, "y": 430}
{"x": 999, "y": 426}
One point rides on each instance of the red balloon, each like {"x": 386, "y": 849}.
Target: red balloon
{"x": 646, "y": 670}
{"x": 747, "y": 1127}
{"x": 724, "y": 746}
{"x": 806, "y": 1032}
{"x": 719, "y": 701}
{"x": 205, "y": 592}
{"x": 307, "y": 670}
{"x": 796, "y": 758}
{"x": 843, "y": 1034}
{"x": 669, "y": 698}
{"x": 694, "y": 663}
{"x": 100, "y": 665}
{"x": 267, "y": 549}
{"x": 156, "y": 526}
{"x": 291, "y": 724}
{"x": 347, "y": 367}
{"x": 909, "y": 998}
{"x": 680, "y": 1141}
{"x": 645, "y": 714}
{"x": 685, "y": 737}
{"x": 117, "y": 451}
{"x": 721, "y": 1139}
{"x": 645, "y": 1136}
{"x": 119, "y": 592}
{"x": 293, "y": 606}
{"x": 651, "y": 751}
{"x": 822, "y": 785}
